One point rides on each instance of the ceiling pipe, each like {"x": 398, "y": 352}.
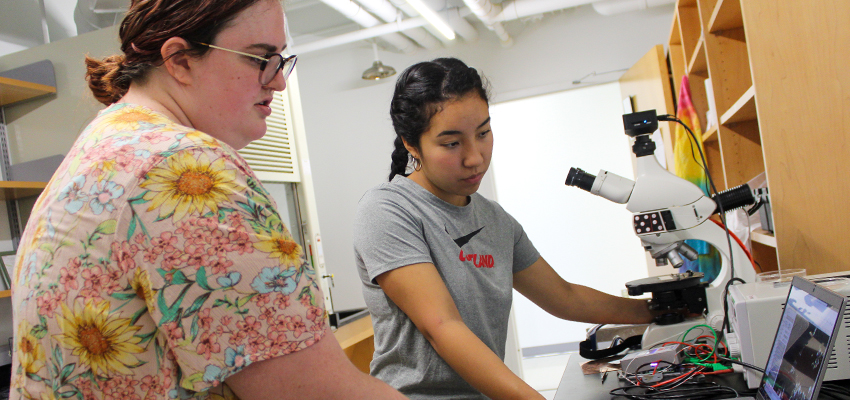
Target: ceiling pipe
{"x": 411, "y": 12}
{"x": 455, "y": 19}
{"x": 44, "y": 30}
{"x": 471, "y": 34}
{"x": 388, "y": 13}
{"x": 526, "y": 8}
{"x": 362, "y": 34}
{"x": 355, "y": 13}
{"x": 487, "y": 12}
{"x": 611, "y": 7}
{"x": 515, "y": 10}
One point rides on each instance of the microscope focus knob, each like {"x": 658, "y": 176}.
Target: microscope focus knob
{"x": 733, "y": 344}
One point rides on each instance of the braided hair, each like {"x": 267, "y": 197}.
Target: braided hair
{"x": 145, "y": 28}
{"x": 419, "y": 92}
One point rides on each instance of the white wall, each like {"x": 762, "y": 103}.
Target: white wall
{"x": 348, "y": 127}
{"x": 588, "y": 240}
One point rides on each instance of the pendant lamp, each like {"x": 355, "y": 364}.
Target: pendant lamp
{"x": 378, "y": 70}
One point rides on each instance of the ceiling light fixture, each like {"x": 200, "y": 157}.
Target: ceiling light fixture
{"x": 378, "y": 70}
{"x": 432, "y": 18}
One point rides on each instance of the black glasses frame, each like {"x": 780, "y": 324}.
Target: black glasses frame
{"x": 285, "y": 63}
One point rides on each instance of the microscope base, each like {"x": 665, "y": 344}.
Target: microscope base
{"x": 657, "y": 335}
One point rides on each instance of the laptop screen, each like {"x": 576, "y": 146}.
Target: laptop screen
{"x": 801, "y": 347}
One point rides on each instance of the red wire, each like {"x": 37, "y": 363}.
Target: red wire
{"x": 740, "y": 243}
{"x": 680, "y": 377}
{"x": 718, "y": 343}
{"x": 722, "y": 371}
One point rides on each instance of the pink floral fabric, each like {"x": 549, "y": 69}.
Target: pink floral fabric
{"x": 155, "y": 265}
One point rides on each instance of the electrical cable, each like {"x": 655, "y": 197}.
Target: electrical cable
{"x": 722, "y": 214}
{"x": 725, "y": 324}
{"x": 840, "y": 389}
{"x": 686, "y": 390}
{"x": 755, "y": 207}
{"x": 743, "y": 247}
{"x": 835, "y": 391}
{"x": 750, "y": 366}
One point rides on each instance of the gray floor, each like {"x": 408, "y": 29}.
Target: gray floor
{"x": 543, "y": 373}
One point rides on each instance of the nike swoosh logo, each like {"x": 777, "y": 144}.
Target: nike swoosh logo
{"x": 466, "y": 238}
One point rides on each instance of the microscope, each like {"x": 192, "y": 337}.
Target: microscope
{"x": 667, "y": 210}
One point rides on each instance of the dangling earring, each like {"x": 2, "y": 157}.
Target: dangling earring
{"x": 417, "y": 165}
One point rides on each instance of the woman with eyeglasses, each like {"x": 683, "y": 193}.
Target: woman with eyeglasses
{"x": 439, "y": 262}
{"x": 155, "y": 264}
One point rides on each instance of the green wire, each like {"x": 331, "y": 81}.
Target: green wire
{"x": 713, "y": 349}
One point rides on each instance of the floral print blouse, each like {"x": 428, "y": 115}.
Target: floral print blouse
{"x": 155, "y": 265}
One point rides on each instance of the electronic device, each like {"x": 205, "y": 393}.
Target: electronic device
{"x": 808, "y": 328}
{"x": 755, "y": 308}
{"x": 667, "y": 210}
{"x": 670, "y": 354}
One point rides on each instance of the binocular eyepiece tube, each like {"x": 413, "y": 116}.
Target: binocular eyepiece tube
{"x": 577, "y": 177}
{"x": 610, "y": 186}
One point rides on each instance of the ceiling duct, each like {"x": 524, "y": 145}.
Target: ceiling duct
{"x": 611, "y": 7}
{"x": 357, "y": 14}
{"x": 526, "y": 8}
{"x": 461, "y": 26}
{"x": 389, "y": 13}
{"x": 514, "y": 10}
{"x": 487, "y": 13}
{"x": 455, "y": 19}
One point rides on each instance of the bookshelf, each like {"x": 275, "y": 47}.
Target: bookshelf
{"x": 776, "y": 72}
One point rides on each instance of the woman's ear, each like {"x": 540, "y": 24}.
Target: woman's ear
{"x": 412, "y": 150}
{"x": 176, "y": 61}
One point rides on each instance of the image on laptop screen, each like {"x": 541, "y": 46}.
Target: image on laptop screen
{"x": 801, "y": 347}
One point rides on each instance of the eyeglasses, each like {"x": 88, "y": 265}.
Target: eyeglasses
{"x": 277, "y": 62}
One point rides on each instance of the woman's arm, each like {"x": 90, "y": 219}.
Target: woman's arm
{"x": 320, "y": 371}
{"x": 419, "y": 291}
{"x": 543, "y": 286}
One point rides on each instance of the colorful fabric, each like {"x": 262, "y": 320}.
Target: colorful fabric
{"x": 688, "y": 165}
{"x": 155, "y": 265}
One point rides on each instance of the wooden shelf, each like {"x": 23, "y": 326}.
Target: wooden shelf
{"x": 764, "y": 237}
{"x": 11, "y": 190}
{"x": 743, "y": 110}
{"x": 675, "y": 34}
{"x": 726, "y": 15}
{"x": 710, "y": 135}
{"x": 13, "y": 91}
{"x": 5, "y": 293}
{"x": 689, "y": 26}
{"x": 698, "y": 64}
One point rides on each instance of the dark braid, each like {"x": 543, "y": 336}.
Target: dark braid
{"x": 419, "y": 91}
{"x": 401, "y": 158}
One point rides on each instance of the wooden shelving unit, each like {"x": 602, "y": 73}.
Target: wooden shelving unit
{"x": 10, "y": 190}
{"x": 764, "y": 237}
{"x": 776, "y": 70}
{"x": 726, "y": 15}
{"x": 13, "y": 91}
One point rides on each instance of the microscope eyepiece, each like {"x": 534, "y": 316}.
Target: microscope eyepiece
{"x": 577, "y": 177}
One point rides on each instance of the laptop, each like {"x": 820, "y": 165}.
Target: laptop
{"x": 804, "y": 340}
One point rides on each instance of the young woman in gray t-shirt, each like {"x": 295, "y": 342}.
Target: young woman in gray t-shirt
{"x": 438, "y": 261}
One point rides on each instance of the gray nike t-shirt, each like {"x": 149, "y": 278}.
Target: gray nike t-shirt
{"x": 476, "y": 249}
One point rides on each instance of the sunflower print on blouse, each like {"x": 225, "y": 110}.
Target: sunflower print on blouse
{"x": 155, "y": 265}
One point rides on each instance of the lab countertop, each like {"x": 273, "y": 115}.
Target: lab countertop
{"x": 575, "y": 385}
